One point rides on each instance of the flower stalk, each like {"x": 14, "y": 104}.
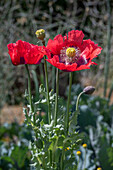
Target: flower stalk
{"x": 85, "y": 147}
{"x": 78, "y": 99}
{"x": 29, "y": 89}
{"x": 47, "y": 86}
{"x": 78, "y": 153}
{"x": 68, "y": 102}
{"x": 56, "y": 101}
{"x": 85, "y": 160}
{"x": 87, "y": 90}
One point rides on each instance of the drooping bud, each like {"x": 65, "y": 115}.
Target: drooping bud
{"x": 70, "y": 52}
{"x": 78, "y": 153}
{"x": 40, "y": 34}
{"x": 89, "y": 90}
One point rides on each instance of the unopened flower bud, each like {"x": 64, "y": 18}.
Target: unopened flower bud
{"x": 84, "y": 145}
{"x": 89, "y": 90}
{"x": 78, "y": 153}
{"x": 40, "y": 34}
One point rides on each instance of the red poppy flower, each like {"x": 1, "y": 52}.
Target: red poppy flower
{"x": 23, "y": 52}
{"x": 72, "y": 53}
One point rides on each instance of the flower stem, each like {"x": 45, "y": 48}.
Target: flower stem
{"x": 48, "y": 100}
{"x": 47, "y": 88}
{"x": 68, "y": 102}
{"x": 85, "y": 160}
{"x": 29, "y": 89}
{"x": 56, "y": 101}
{"x": 78, "y": 162}
{"x": 62, "y": 159}
{"x": 53, "y": 78}
{"x": 78, "y": 100}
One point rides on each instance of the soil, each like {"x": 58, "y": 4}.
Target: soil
{"x": 11, "y": 114}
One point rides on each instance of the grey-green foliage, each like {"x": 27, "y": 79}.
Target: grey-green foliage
{"x": 101, "y": 140}
{"x": 96, "y": 120}
{"x": 50, "y": 140}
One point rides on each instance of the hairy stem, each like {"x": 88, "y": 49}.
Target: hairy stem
{"x": 68, "y": 102}
{"x": 78, "y": 100}
{"x": 56, "y": 101}
{"x": 47, "y": 87}
{"x": 29, "y": 88}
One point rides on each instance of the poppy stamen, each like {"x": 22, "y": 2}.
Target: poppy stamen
{"x": 70, "y": 52}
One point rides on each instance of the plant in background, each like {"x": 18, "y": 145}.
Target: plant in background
{"x": 54, "y": 142}
{"x": 14, "y": 152}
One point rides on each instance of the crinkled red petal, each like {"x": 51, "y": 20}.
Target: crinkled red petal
{"x": 32, "y": 54}
{"x": 55, "y": 62}
{"x": 15, "y": 58}
{"x": 55, "y": 45}
{"x": 92, "y": 49}
{"x": 76, "y": 36}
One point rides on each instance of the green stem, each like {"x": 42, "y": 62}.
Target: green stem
{"x": 85, "y": 160}
{"x": 50, "y": 157}
{"x": 41, "y": 73}
{"x": 29, "y": 89}
{"x": 78, "y": 162}
{"x": 78, "y": 100}
{"x": 47, "y": 88}
{"x": 53, "y": 152}
{"x": 48, "y": 100}
{"x": 62, "y": 159}
{"x": 56, "y": 101}
{"x": 53, "y": 78}
{"x": 68, "y": 102}
{"x": 43, "y": 163}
